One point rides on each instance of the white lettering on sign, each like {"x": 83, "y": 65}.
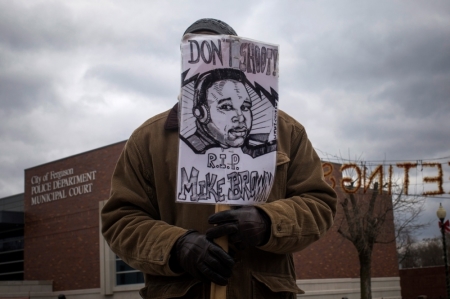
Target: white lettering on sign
{"x": 49, "y": 187}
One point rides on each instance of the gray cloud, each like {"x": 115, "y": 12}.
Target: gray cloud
{"x": 27, "y": 27}
{"x": 143, "y": 80}
{"x": 18, "y": 91}
{"x": 367, "y": 78}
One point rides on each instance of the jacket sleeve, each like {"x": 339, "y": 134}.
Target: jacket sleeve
{"x": 130, "y": 219}
{"x": 308, "y": 210}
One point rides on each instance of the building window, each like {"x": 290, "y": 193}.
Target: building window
{"x": 127, "y": 275}
{"x": 11, "y": 254}
{"x": 115, "y": 274}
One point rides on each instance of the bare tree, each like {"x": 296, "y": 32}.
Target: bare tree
{"x": 407, "y": 210}
{"x": 406, "y": 215}
{"x": 405, "y": 250}
{"x": 426, "y": 253}
{"x": 370, "y": 209}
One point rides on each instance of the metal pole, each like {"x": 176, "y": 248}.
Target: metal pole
{"x": 445, "y": 258}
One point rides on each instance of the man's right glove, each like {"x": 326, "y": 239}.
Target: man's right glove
{"x": 244, "y": 226}
{"x": 202, "y": 259}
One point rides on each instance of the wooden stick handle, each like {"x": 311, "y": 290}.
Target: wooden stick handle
{"x": 217, "y": 291}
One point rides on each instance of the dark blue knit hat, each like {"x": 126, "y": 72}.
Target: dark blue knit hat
{"x": 213, "y": 25}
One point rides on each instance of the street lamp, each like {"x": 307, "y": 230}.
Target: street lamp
{"x": 441, "y": 213}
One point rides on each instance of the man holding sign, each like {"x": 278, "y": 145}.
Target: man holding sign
{"x": 234, "y": 148}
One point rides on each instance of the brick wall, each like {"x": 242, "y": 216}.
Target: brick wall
{"x": 428, "y": 281}
{"x": 62, "y": 235}
{"x": 335, "y": 257}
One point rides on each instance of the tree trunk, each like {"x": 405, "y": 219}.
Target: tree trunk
{"x": 365, "y": 262}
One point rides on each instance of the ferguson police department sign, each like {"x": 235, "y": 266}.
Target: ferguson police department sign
{"x": 55, "y": 185}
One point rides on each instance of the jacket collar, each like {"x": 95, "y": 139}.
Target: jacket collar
{"x": 172, "y": 119}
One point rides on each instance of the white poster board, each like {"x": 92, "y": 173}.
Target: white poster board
{"x": 228, "y": 120}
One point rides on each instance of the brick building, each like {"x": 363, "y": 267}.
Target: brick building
{"x": 64, "y": 252}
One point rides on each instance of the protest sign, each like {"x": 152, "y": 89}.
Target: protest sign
{"x": 228, "y": 120}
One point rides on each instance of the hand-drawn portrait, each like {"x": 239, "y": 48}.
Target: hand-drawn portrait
{"x": 228, "y": 111}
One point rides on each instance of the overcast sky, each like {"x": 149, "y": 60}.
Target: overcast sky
{"x": 367, "y": 79}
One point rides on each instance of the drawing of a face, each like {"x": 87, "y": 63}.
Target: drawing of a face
{"x": 231, "y": 117}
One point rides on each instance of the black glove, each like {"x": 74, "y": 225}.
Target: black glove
{"x": 201, "y": 258}
{"x": 244, "y": 226}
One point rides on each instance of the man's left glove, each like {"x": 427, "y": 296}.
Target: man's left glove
{"x": 244, "y": 226}
{"x": 201, "y": 258}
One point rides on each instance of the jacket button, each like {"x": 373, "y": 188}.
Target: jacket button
{"x": 279, "y": 228}
{"x": 160, "y": 257}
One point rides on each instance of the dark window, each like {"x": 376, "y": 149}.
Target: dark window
{"x": 11, "y": 254}
{"x": 127, "y": 275}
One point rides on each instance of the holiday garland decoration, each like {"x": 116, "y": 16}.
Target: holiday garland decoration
{"x": 437, "y": 179}
{"x": 363, "y": 178}
{"x": 446, "y": 226}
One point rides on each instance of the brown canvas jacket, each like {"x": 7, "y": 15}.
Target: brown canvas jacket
{"x": 141, "y": 220}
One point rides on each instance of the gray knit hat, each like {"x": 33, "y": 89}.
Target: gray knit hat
{"x": 213, "y": 25}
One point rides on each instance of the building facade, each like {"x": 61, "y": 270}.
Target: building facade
{"x": 65, "y": 253}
